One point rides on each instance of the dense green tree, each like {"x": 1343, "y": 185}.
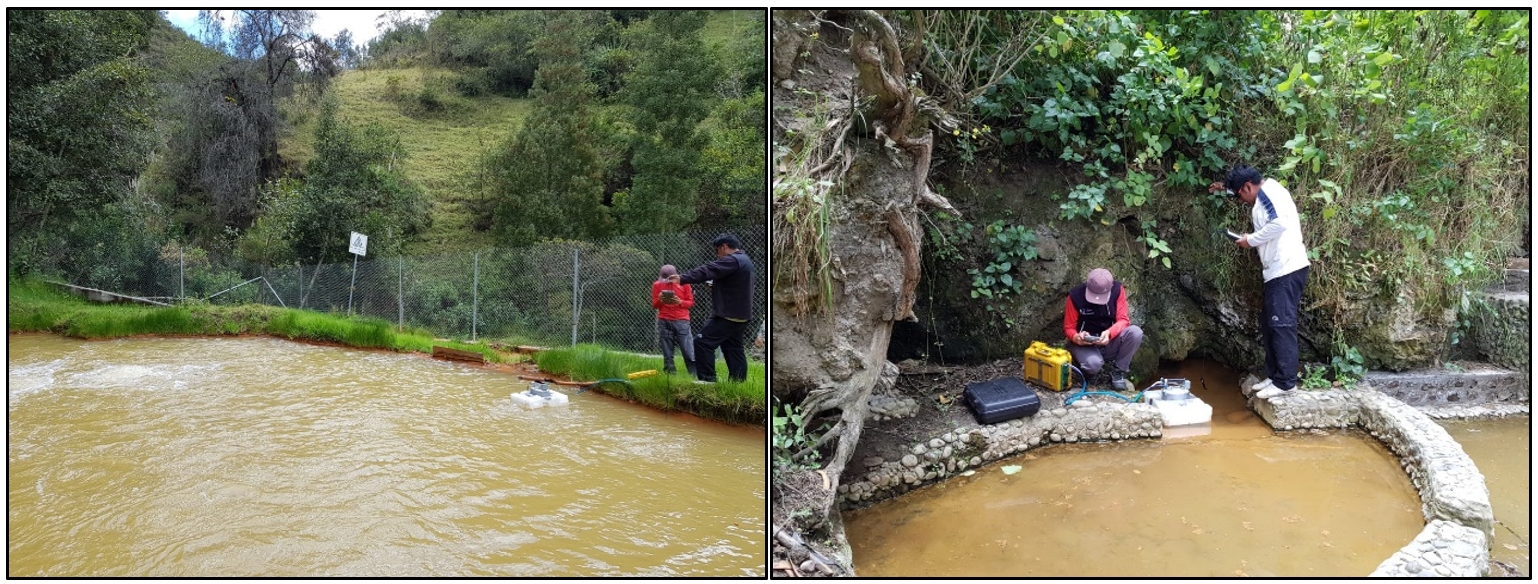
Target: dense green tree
{"x": 671, "y": 90}
{"x": 732, "y": 165}
{"x": 547, "y": 179}
{"x": 493, "y": 47}
{"x": 356, "y": 182}
{"x": 77, "y": 114}
{"x": 401, "y": 42}
{"x": 221, "y": 121}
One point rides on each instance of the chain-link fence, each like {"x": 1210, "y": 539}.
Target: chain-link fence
{"x": 552, "y": 293}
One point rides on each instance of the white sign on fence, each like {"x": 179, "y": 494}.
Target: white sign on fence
{"x": 359, "y": 243}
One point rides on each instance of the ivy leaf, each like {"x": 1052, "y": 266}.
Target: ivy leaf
{"x": 1166, "y": 263}
{"x": 1117, "y": 49}
{"x": 1314, "y": 57}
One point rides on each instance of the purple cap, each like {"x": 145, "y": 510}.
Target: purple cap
{"x": 1097, "y": 287}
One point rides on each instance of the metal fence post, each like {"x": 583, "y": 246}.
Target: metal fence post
{"x": 576, "y": 298}
{"x": 183, "y": 294}
{"x": 475, "y": 288}
{"x": 354, "y": 284}
{"x": 400, "y": 295}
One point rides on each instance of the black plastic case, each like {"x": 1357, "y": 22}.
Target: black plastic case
{"x": 1000, "y": 400}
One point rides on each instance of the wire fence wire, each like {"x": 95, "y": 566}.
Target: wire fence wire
{"x": 552, "y": 293}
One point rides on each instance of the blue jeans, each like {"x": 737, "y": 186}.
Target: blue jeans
{"x": 676, "y": 332}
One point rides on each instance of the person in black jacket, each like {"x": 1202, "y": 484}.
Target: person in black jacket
{"x": 730, "y": 279}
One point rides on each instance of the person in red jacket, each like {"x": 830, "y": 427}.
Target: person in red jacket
{"x": 672, "y": 302}
{"x": 1099, "y": 329}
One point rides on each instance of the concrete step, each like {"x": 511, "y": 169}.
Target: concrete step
{"x": 1460, "y": 384}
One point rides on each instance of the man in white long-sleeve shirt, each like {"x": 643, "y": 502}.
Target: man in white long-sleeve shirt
{"x": 1278, "y": 236}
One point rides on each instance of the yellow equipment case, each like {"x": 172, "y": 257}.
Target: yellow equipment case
{"x": 1047, "y": 366}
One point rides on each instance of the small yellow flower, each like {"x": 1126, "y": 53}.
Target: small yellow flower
{"x": 956, "y": 132}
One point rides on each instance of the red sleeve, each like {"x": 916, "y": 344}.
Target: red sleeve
{"x": 1070, "y": 320}
{"x": 1123, "y": 318}
{"x": 685, "y": 296}
{"x": 657, "y": 295}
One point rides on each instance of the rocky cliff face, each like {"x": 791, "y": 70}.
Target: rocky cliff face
{"x": 1207, "y": 303}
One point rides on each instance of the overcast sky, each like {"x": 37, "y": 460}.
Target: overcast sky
{"x": 327, "y": 22}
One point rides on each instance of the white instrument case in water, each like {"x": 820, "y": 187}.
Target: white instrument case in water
{"x": 539, "y": 395}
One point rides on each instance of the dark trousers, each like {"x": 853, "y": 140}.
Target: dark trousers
{"x": 719, "y": 332}
{"x": 1119, "y": 352}
{"x": 676, "y": 333}
{"x": 1279, "y": 327}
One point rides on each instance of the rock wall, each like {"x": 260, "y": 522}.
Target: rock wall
{"x": 970, "y": 446}
{"x": 1474, "y": 384}
{"x": 1443, "y": 549}
{"x": 1500, "y": 330}
{"x": 1207, "y": 303}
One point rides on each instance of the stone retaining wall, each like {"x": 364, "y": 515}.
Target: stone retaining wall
{"x": 1477, "y": 384}
{"x": 1444, "y": 549}
{"x": 1451, "y": 488}
{"x": 1499, "y": 330}
{"x": 971, "y": 446}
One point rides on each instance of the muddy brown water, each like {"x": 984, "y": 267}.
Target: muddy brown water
{"x": 1502, "y": 449}
{"x": 1238, "y": 501}
{"x": 261, "y": 457}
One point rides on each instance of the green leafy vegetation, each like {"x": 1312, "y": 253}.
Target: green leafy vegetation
{"x": 1010, "y": 245}
{"x": 255, "y": 140}
{"x": 790, "y": 440}
{"x": 1403, "y": 135}
{"x": 733, "y": 401}
{"x": 800, "y": 219}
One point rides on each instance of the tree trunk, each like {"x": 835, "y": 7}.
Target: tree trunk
{"x": 829, "y": 360}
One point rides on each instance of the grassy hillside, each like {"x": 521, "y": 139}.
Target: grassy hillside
{"x": 443, "y": 144}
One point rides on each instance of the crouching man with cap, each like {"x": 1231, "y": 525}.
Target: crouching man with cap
{"x": 1099, "y": 330}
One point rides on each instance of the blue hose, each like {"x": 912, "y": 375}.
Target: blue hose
{"x": 1085, "y": 392}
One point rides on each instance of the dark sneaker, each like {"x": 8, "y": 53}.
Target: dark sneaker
{"x": 1119, "y": 381}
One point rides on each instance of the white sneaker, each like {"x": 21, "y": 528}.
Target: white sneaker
{"x": 1269, "y": 392}
{"x": 1264, "y": 383}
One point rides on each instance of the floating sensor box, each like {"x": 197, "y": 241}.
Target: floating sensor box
{"x": 539, "y": 395}
{"x": 1176, "y": 404}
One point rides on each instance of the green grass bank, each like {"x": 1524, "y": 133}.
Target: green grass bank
{"x": 736, "y": 402}
{"x": 36, "y": 306}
